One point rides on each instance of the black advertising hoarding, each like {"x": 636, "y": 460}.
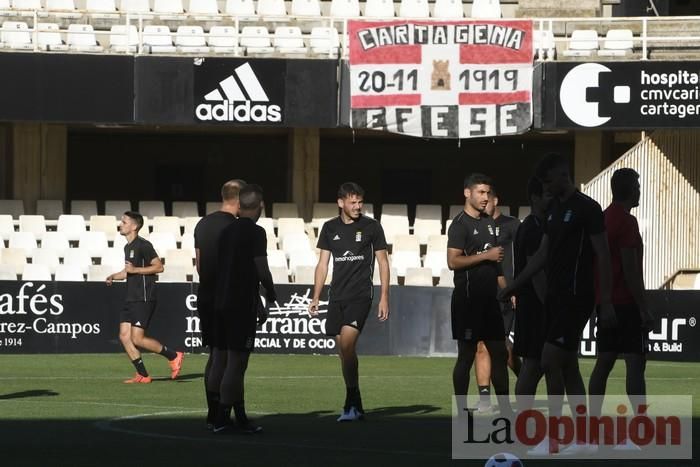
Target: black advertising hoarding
{"x": 78, "y": 88}
{"x": 70, "y": 317}
{"x": 236, "y": 91}
{"x": 622, "y": 95}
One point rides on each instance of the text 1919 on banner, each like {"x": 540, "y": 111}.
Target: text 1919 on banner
{"x": 463, "y": 79}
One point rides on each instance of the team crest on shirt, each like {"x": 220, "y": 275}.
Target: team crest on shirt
{"x": 358, "y": 236}
{"x": 498, "y": 231}
{"x": 131, "y": 254}
{"x": 568, "y": 215}
{"x": 490, "y": 229}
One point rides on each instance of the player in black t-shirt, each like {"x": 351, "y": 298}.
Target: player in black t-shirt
{"x": 206, "y": 244}
{"x": 530, "y": 323}
{"x": 241, "y": 269}
{"x": 141, "y": 266}
{"x": 573, "y": 236}
{"x": 505, "y": 227}
{"x": 354, "y": 241}
{"x": 475, "y": 258}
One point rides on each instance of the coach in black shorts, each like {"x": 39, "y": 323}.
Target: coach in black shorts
{"x": 476, "y": 315}
{"x": 238, "y": 309}
{"x": 354, "y": 241}
{"x": 141, "y": 266}
{"x": 206, "y": 244}
{"x": 574, "y": 236}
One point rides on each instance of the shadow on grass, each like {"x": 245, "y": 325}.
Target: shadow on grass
{"x": 182, "y": 378}
{"x": 31, "y": 393}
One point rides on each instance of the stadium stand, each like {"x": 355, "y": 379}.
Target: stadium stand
{"x": 69, "y": 273}
{"x": 92, "y": 243}
{"x": 487, "y": 9}
{"x": 123, "y": 39}
{"x": 7, "y": 272}
{"x": 306, "y": 8}
{"x": 421, "y": 277}
{"x": 36, "y": 272}
{"x": 157, "y": 39}
{"x": 345, "y": 8}
{"x": 583, "y": 43}
{"x": 63, "y": 9}
{"x": 379, "y": 9}
{"x": 55, "y": 241}
{"x": 190, "y": 40}
{"x": 240, "y": 8}
{"x": 272, "y": 9}
{"x": 15, "y": 258}
{"x": 224, "y": 39}
{"x": 185, "y": 209}
{"x": 33, "y": 224}
{"x": 6, "y": 227}
{"x": 106, "y": 224}
{"x": 151, "y": 209}
{"x": 414, "y": 9}
{"x": 617, "y": 43}
{"x": 16, "y": 35}
{"x": 12, "y": 207}
{"x": 288, "y": 40}
{"x": 49, "y": 208}
{"x": 117, "y": 208}
{"x": 448, "y": 9}
{"x": 97, "y": 272}
{"x": 46, "y": 257}
{"x": 85, "y": 208}
{"x": 80, "y": 258}
{"x": 72, "y": 226}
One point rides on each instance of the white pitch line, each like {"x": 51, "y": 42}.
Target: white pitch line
{"x": 112, "y": 378}
{"x": 107, "y": 425}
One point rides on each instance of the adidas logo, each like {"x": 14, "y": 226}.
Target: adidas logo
{"x": 347, "y": 253}
{"x": 240, "y": 91}
{"x": 354, "y": 323}
{"x": 337, "y": 237}
{"x": 137, "y": 323}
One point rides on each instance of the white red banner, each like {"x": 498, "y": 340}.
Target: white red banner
{"x": 457, "y": 79}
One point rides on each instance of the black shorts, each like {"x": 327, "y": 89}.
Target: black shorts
{"x": 138, "y": 314}
{"x": 566, "y": 318}
{"x": 234, "y": 331}
{"x": 530, "y": 327}
{"x": 347, "y": 313}
{"x": 628, "y": 336}
{"x": 476, "y": 318}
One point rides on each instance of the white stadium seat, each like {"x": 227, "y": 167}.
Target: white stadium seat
{"x": 27, "y": 7}
{"x": 289, "y": 40}
{"x": 36, "y": 272}
{"x": 49, "y": 38}
{"x": 323, "y": 212}
{"x": 618, "y": 42}
{"x": 151, "y": 209}
{"x": 190, "y": 223}
{"x": 185, "y": 208}
{"x": 204, "y": 10}
{"x": 55, "y": 241}
{"x": 48, "y": 258}
{"x": 187, "y": 244}
{"x": 123, "y": 40}
{"x": 436, "y": 261}
{"x": 8, "y": 272}
{"x": 62, "y": 8}
{"x": 223, "y": 39}
{"x": 80, "y": 258}
{"x": 72, "y": 226}
{"x": 304, "y": 274}
{"x": 583, "y": 43}
{"x": 256, "y": 40}
{"x": 5, "y": 7}
{"x": 169, "y": 9}
{"x": 324, "y": 40}
{"x": 173, "y": 274}
{"x": 306, "y": 8}
{"x": 277, "y": 258}
{"x": 429, "y": 212}
{"x": 446, "y": 278}
{"x": 267, "y": 224}
{"x": 98, "y": 273}
{"x": 69, "y": 273}
{"x": 437, "y": 243}
{"x": 345, "y": 8}
{"x": 85, "y": 208}
{"x": 190, "y": 39}
{"x": 405, "y": 242}
{"x": 141, "y": 7}
{"x": 379, "y": 9}
{"x": 14, "y": 257}
{"x": 112, "y": 258}
{"x": 13, "y": 207}
{"x": 279, "y": 274}
{"x": 296, "y": 242}
{"x": 34, "y": 224}
{"x": 106, "y": 9}
{"x": 179, "y": 259}
{"x": 16, "y": 35}
{"x": 302, "y": 258}
{"x": 49, "y": 208}
{"x": 286, "y": 225}
{"x": 400, "y": 210}
{"x": 106, "y": 224}
{"x": 81, "y": 38}
{"x": 158, "y": 39}
{"x": 418, "y": 277}
{"x": 272, "y": 8}
{"x": 162, "y": 242}
{"x": 523, "y": 212}
{"x": 393, "y": 276}
{"x": 401, "y": 260}
{"x": 6, "y": 227}
{"x": 167, "y": 224}
{"x": 543, "y": 44}
{"x": 92, "y": 243}
{"x": 240, "y": 8}
{"x": 118, "y": 208}
{"x": 414, "y": 9}
{"x": 448, "y": 9}
{"x": 486, "y": 9}
{"x": 455, "y": 209}
{"x": 212, "y": 206}
{"x": 394, "y": 225}
{"x": 423, "y": 229}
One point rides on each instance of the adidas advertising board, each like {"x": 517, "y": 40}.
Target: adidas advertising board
{"x": 73, "y": 317}
{"x": 632, "y": 95}
{"x": 245, "y": 92}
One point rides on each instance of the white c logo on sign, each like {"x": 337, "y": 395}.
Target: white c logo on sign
{"x": 572, "y": 94}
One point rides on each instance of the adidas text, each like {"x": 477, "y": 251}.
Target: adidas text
{"x": 228, "y": 111}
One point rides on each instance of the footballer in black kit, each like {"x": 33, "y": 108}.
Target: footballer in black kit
{"x": 352, "y": 248}
{"x": 141, "y": 266}
{"x": 353, "y": 242}
{"x": 476, "y": 314}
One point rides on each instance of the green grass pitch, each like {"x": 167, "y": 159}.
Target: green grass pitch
{"x": 73, "y": 410}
